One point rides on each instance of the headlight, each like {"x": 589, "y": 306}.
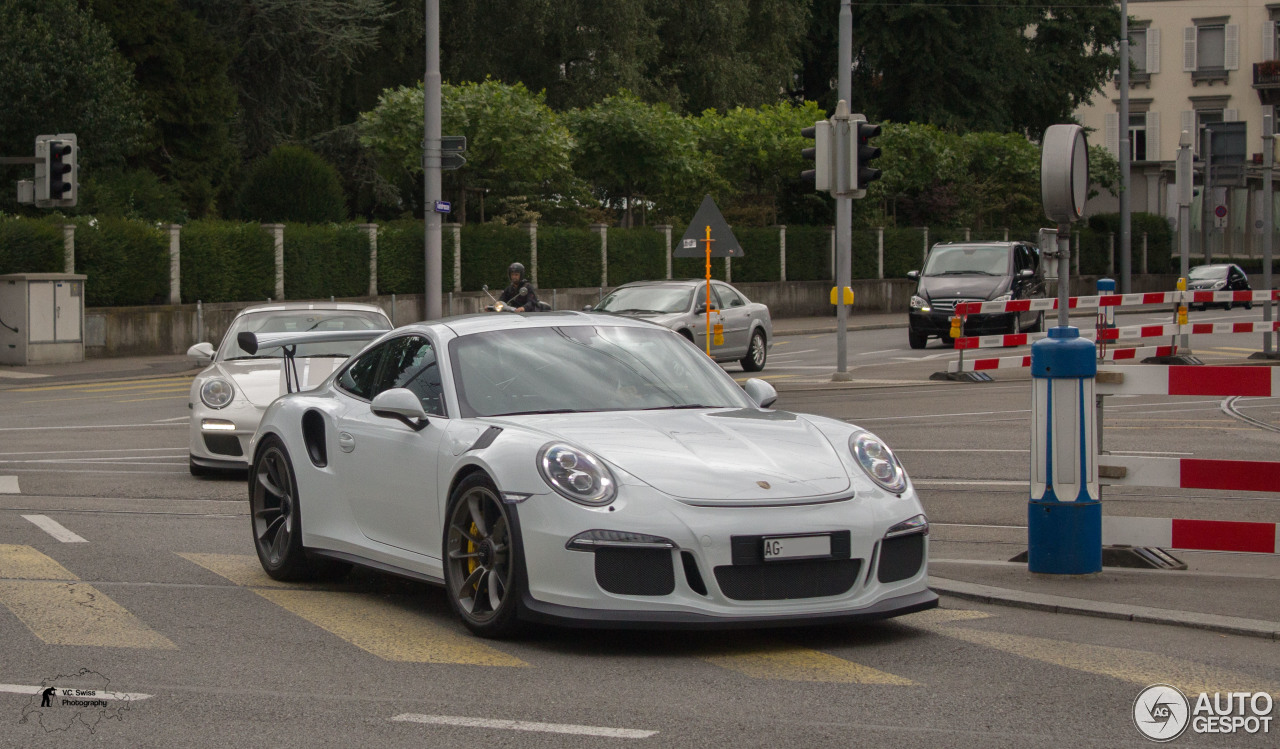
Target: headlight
{"x": 1219, "y": 284}
{"x": 576, "y": 475}
{"x": 216, "y": 393}
{"x": 1003, "y": 297}
{"x": 919, "y": 303}
{"x": 878, "y": 461}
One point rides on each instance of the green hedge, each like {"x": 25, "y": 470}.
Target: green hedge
{"x": 402, "y": 258}
{"x": 487, "y": 250}
{"x": 1095, "y": 243}
{"x": 227, "y": 261}
{"x": 322, "y": 261}
{"x": 570, "y": 258}
{"x": 126, "y": 262}
{"x": 30, "y": 246}
{"x": 634, "y": 255}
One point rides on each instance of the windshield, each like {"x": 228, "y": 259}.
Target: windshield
{"x": 647, "y": 299}
{"x": 585, "y": 368}
{"x": 962, "y": 261}
{"x": 298, "y": 321}
{"x": 1207, "y": 271}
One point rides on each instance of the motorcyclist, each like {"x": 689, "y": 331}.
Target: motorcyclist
{"x": 520, "y": 293}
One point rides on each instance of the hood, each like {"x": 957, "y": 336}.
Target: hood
{"x": 261, "y": 381}
{"x": 707, "y": 455}
{"x": 962, "y": 287}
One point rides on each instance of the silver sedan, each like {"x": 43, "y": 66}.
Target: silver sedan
{"x": 681, "y": 305}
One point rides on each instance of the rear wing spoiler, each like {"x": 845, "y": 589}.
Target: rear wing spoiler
{"x": 252, "y": 343}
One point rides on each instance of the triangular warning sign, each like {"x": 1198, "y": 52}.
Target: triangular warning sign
{"x": 694, "y": 241}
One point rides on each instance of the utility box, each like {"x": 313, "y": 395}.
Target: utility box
{"x": 41, "y": 318}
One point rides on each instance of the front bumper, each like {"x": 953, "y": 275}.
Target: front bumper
{"x": 700, "y": 583}
{"x": 939, "y": 323}
{"x": 223, "y": 448}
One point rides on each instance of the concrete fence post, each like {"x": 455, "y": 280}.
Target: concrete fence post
{"x": 1006, "y": 234}
{"x": 457, "y": 256}
{"x": 69, "y": 248}
{"x": 728, "y": 270}
{"x": 666, "y": 238}
{"x": 782, "y": 252}
{"x": 175, "y": 264}
{"x": 603, "y": 231}
{"x": 880, "y": 252}
{"x": 1111, "y": 253}
{"x": 925, "y": 253}
{"x": 277, "y": 233}
{"x": 533, "y": 252}
{"x": 966, "y": 234}
{"x": 1144, "y": 253}
{"x": 372, "y": 231}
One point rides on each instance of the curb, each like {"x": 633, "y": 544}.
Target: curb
{"x": 122, "y": 376}
{"x": 1063, "y": 605}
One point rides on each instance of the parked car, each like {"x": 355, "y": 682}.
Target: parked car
{"x": 681, "y": 305}
{"x": 582, "y": 469}
{"x": 975, "y": 272}
{"x": 1223, "y": 277}
{"x": 229, "y": 396}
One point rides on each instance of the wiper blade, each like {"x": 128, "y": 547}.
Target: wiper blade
{"x": 544, "y": 411}
{"x": 258, "y": 356}
{"x": 679, "y": 407}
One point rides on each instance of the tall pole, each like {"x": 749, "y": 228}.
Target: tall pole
{"x": 1268, "y": 217}
{"x": 844, "y": 206}
{"x": 1185, "y": 177}
{"x": 1126, "y": 233}
{"x": 432, "y": 307}
{"x": 1206, "y": 196}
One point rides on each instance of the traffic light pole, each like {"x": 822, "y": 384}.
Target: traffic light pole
{"x": 844, "y": 207}
{"x": 432, "y": 302}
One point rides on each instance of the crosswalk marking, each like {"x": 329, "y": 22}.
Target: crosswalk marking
{"x": 764, "y": 659}
{"x": 371, "y": 623}
{"x": 26, "y": 563}
{"x": 9, "y": 485}
{"x": 54, "y": 528}
{"x": 1133, "y": 666}
{"x": 67, "y": 613}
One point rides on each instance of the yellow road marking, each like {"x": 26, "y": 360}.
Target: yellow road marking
{"x": 118, "y": 386}
{"x": 371, "y": 623}
{"x": 140, "y": 386}
{"x": 45, "y": 596}
{"x": 158, "y": 398}
{"x": 1133, "y": 666}
{"x": 765, "y": 659}
{"x": 63, "y": 613}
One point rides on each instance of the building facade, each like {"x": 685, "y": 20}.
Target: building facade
{"x": 1195, "y": 64}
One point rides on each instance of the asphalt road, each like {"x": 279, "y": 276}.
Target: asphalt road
{"x": 163, "y": 598}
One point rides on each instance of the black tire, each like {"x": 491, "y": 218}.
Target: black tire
{"x": 947, "y": 340}
{"x": 482, "y": 559}
{"x": 276, "y": 518}
{"x": 917, "y": 340}
{"x": 757, "y": 353}
{"x": 199, "y": 470}
{"x": 1248, "y": 305}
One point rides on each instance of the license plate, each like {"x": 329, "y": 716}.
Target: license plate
{"x": 796, "y": 547}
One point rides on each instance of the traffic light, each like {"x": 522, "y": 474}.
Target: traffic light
{"x": 57, "y": 173}
{"x": 821, "y": 176}
{"x": 864, "y": 173}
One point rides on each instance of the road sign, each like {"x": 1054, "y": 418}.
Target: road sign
{"x": 1220, "y": 211}
{"x": 723, "y": 243}
{"x": 450, "y": 161}
{"x": 443, "y": 206}
{"x": 453, "y": 143}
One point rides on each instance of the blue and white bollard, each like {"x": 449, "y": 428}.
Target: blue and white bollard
{"x": 1106, "y": 315}
{"x": 1064, "y": 515}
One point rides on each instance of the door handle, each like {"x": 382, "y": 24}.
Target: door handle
{"x": 346, "y": 442}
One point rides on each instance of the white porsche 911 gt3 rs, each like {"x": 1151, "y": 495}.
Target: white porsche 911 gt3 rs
{"x": 586, "y": 470}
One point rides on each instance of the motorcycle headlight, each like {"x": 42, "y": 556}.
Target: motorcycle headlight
{"x": 216, "y": 393}
{"x": 919, "y": 303}
{"x": 878, "y": 461}
{"x": 1003, "y": 297}
{"x": 576, "y": 474}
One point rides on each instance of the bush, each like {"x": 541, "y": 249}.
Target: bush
{"x": 487, "y": 250}
{"x": 760, "y": 260}
{"x": 808, "y": 253}
{"x": 322, "y": 261}
{"x": 634, "y": 255}
{"x": 30, "y": 246}
{"x": 1095, "y": 243}
{"x": 127, "y": 262}
{"x": 292, "y": 184}
{"x": 226, "y": 261}
{"x": 137, "y": 194}
{"x": 570, "y": 258}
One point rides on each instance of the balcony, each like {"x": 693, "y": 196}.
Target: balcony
{"x": 1266, "y": 80}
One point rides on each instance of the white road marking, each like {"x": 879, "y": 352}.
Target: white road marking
{"x": 962, "y": 450}
{"x": 176, "y": 418}
{"x": 9, "y": 485}
{"x": 124, "y": 696}
{"x": 104, "y": 450}
{"x": 886, "y": 351}
{"x": 55, "y": 529}
{"x": 21, "y": 375}
{"x": 89, "y": 426}
{"x": 140, "y": 473}
{"x": 523, "y": 725}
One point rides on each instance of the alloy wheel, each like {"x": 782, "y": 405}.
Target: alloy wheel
{"x": 479, "y": 554}
{"x": 274, "y": 506}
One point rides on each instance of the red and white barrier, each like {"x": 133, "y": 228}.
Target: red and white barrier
{"x": 1190, "y": 473}
{"x": 1203, "y": 328}
{"x": 1116, "y": 300}
{"x": 1196, "y": 535}
{"x": 1017, "y": 362}
{"x": 1263, "y": 382}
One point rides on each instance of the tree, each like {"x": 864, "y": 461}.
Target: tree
{"x": 636, "y": 153}
{"x": 181, "y": 73}
{"x": 61, "y": 73}
{"x": 292, "y": 184}
{"x": 989, "y": 65}
{"x": 516, "y": 146}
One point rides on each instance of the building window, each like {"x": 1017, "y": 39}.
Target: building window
{"x": 1138, "y": 51}
{"x": 1211, "y": 47}
{"x": 1138, "y": 136}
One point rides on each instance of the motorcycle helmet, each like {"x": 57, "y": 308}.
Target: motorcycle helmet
{"x": 517, "y": 270}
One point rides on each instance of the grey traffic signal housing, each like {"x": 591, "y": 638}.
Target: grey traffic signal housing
{"x": 57, "y": 171}
{"x": 822, "y": 175}
{"x": 864, "y": 153}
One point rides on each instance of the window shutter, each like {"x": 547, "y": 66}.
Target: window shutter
{"x": 1189, "y": 49}
{"x": 1153, "y": 136}
{"x": 1231, "y": 58}
{"x": 1269, "y": 40}
{"x": 1231, "y": 115}
{"x": 1189, "y": 125}
{"x": 1112, "y": 134}
{"x": 1153, "y": 50}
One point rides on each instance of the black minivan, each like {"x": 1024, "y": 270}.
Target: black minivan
{"x": 975, "y": 272}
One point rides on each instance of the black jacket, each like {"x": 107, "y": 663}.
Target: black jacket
{"x": 520, "y": 295}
